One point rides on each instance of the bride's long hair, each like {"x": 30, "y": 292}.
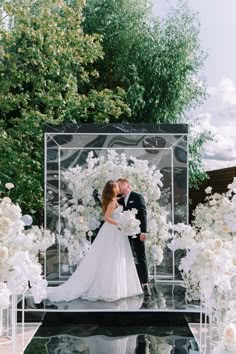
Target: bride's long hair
{"x": 108, "y": 193}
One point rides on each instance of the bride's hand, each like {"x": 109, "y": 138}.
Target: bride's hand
{"x": 143, "y": 237}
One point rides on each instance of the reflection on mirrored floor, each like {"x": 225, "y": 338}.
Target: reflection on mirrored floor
{"x": 164, "y": 297}
{"x": 113, "y": 340}
{"x": 156, "y": 324}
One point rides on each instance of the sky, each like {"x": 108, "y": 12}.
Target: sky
{"x": 218, "y": 113}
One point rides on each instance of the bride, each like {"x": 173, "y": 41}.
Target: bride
{"x": 108, "y": 271}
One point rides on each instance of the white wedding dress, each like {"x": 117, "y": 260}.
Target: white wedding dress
{"x": 107, "y": 272}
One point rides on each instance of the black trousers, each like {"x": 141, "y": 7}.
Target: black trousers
{"x": 138, "y": 250}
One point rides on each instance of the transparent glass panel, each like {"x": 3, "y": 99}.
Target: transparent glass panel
{"x": 164, "y": 146}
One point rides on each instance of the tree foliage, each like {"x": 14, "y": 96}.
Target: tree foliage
{"x": 46, "y": 64}
{"x": 157, "y": 61}
{"x": 108, "y": 61}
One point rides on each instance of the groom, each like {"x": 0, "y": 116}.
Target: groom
{"x": 129, "y": 201}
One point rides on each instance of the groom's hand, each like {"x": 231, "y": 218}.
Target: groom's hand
{"x": 143, "y": 237}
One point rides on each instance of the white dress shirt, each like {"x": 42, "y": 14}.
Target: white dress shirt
{"x": 126, "y": 198}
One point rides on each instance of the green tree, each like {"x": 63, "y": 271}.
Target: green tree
{"x": 46, "y": 64}
{"x": 157, "y": 61}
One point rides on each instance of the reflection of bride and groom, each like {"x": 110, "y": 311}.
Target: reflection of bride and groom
{"x": 115, "y": 266}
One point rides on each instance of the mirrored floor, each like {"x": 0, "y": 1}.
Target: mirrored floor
{"x": 165, "y": 297}
{"x": 112, "y": 340}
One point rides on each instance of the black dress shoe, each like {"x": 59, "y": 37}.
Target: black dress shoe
{"x": 146, "y": 290}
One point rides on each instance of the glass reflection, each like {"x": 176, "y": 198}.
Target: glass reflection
{"x": 103, "y": 344}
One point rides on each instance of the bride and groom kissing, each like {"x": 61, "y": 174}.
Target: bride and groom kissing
{"x": 115, "y": 266}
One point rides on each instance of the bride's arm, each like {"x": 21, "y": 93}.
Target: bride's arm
{"x": 107, "y": 216}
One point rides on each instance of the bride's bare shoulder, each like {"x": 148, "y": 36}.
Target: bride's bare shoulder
{"x": 112, "y": 203}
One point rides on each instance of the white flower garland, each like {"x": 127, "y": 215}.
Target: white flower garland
{"x": 83, "y": 215}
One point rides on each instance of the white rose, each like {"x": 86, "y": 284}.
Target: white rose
{"x": 217, "y": 216}
{"x": 209, "y": 217}
{"x": 6, "y": 200}
{"x": 5, "y": 225}
{"x": 9, "y": 185}
{"x": 208, "y": 254}
{"x": 12, "y": 212}
{"x": 218, "y": 223}
{"x": 226, "y": 229}
{"x": 218, "y": 244}
{"x": 90, "y": 233}
{"x": 85, "y": 228}
{"x": 80, "y": 208}
{"x": 3, "y": 254}
{"x": 206, "y": 234}
{"x": 230, "y": 333}
{"x": 76, "y": 243}
{"x": 208, "y": 190}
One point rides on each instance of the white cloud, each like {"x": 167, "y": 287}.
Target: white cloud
{"x": 225, "y": 91}
{"x": 221, "y": 149}
{"x": 218, "y": 115}
{"x": 217, "y": 165}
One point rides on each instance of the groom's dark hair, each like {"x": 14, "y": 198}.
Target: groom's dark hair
{"x": 122, "y": 180}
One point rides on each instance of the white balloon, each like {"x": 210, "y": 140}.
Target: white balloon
{"x": 27, "y": 220}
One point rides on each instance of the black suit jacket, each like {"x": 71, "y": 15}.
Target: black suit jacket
{"x": 137, "y": 201}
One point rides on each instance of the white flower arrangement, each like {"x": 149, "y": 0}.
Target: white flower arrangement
{"x": 227, "y": 344}
{"x": 83, "y": 215}
{"x": 19, "y": 265}
{"x": 128, "y": 224}
{"x": 209, "y": 267}
{"x": 207, "y": 242}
